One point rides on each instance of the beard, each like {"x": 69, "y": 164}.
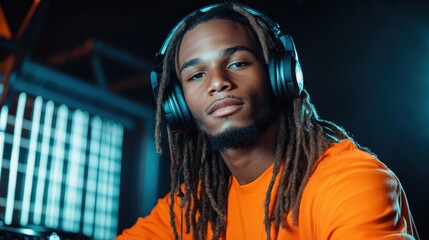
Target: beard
{"x": 234, "y": 137}
{"x": 240, "y": 137}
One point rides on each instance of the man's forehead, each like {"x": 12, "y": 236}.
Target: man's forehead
{"x": 217, "y": 32}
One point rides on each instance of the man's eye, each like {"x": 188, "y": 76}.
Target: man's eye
{"x": 196, "y": 76}
{"x": 238, "y": 65}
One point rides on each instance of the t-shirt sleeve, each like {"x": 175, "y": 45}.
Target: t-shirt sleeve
{"x": 359, "y": 199}
{"x": 154, "y": 226}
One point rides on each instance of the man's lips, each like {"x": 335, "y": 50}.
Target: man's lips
{"x": 224, "y": 106}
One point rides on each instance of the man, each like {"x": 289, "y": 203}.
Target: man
{"x": 256, "y": 160}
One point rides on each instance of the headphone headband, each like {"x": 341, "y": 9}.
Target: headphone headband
{"x": 271, "y": 24}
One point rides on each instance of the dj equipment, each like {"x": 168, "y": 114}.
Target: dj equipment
{"x": 284, "y": 69}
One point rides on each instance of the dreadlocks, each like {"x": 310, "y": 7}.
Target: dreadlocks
{"x": 302, "y": 138}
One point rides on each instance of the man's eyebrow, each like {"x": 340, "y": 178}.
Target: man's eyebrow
{"x": 232, "y": 50}
{"x": 192, "y": 62}
{"x": 224, "y": 52}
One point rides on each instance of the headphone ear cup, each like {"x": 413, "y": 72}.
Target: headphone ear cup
{"x": 285, "y": 76}
{"x": 176, "y": 112}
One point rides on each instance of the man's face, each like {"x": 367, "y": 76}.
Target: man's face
{"x": 222, "y": 72}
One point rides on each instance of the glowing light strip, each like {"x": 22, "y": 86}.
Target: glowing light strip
{"x": 31, "y": 160}
{"x": 72, "y": 201}
{"x": 70, "y": 196}
{"x": 91, "y": 184}
{"x": 54, "y": 192}
{"x": 44, "y": 153}
{"x": 102, "y": 183}
{"x": 107, "y": 185}
{"x": 13, "y": 168}
{"x": 81, "y": 169}
{"x": 111, "y": 180}
{"x": 3, "y": 124}
{"x": 116, "y": 154}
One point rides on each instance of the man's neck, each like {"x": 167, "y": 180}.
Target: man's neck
{"x": 248, "y": 163}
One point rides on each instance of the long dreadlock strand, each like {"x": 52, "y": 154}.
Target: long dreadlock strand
{"x": 309, "y": 154}
{"x": 281, "y": 202}
{"x": 208, "y": 191}
{"x": 187, "y": 161}
{"x": 196, "y": 184}
{"x": 174, "y": 181}
{"x": 276, "y": 169}
{"x": 190, "y": 194}
{"x": 163, "y": 84}
{"x": 261, "y": 34}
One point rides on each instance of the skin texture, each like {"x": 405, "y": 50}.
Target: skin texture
{"x": 220, "y": 66}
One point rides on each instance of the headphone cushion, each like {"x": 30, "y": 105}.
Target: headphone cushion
{"x": 176, "y": 111}
{"x": 283, "y": 68}
{"x": 273, "y": 75}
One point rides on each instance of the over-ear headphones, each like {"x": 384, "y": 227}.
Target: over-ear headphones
{"x": 284, "y": 71}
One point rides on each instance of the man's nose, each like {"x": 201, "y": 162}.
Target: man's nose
{"x": 219, "y": 81}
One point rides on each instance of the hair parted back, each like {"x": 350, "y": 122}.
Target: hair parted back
{"x": 302, "y": 138}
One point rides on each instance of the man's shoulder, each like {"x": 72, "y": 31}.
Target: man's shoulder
{"x": 346, "y": 156}
{"x": 345, "y": 168}
{"x": 351, "y": 191}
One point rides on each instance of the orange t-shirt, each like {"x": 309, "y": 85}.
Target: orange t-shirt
{"x": 350, "y": 195}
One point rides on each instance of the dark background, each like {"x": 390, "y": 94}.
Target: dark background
{"x": 365, "y": 63}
